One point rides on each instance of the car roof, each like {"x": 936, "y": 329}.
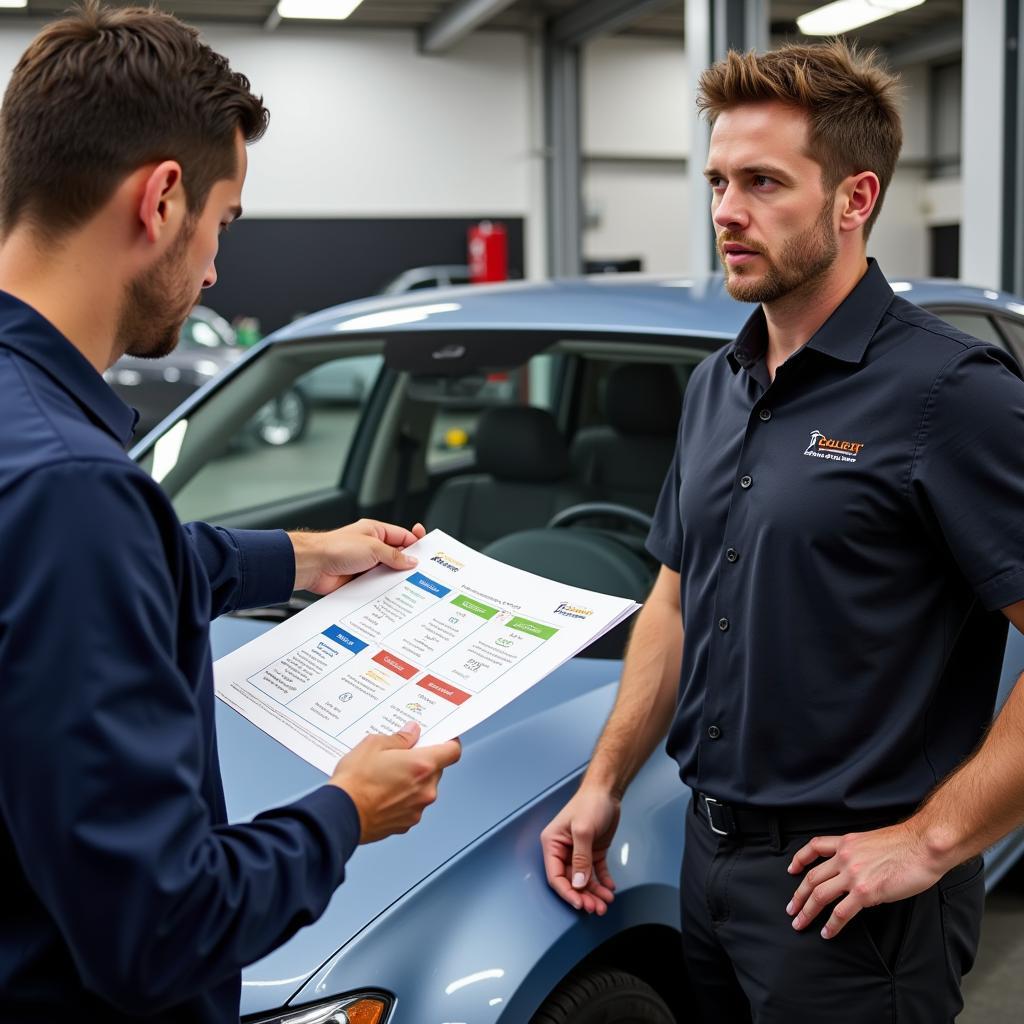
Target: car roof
{"x": 623, "y": 305}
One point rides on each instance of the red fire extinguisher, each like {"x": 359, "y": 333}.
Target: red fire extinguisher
{"x": 488, "y": 252}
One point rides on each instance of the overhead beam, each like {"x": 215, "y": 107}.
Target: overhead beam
{"x": 456, "y": 22}
{"x": 598, "y": 18}
{"x": 945, "y": 39}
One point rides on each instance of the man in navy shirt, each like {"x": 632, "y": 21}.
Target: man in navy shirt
{"x": 127, "y": 895}
{"x": 841, "y": 537}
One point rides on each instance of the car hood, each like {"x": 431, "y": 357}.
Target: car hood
{"x": 507, "y": 761}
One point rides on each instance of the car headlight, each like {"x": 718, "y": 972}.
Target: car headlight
{"x": 357, "y": 1009}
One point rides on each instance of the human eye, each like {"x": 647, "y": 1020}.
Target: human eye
{"x": 716, "y": 181}
{"x": 763, "y": 181}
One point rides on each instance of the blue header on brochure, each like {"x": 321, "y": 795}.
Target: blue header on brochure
{"x": 347, "y": 640}
{"x": 417, "y": 579}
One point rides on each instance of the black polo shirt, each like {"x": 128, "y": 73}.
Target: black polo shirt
{"x": 127, "y": 896}
{"x": 845, "y": 537}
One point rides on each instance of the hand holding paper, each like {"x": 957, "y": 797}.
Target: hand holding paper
{"x": 444, "y": 646}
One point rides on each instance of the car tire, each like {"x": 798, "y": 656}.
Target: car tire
{"x": 604, "y": 996}
{"x": 283, "y": 419}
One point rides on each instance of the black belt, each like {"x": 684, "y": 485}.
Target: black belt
{"x": 743, "y": 820}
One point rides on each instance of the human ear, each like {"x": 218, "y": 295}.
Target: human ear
{"x": 163, "y": 199}
{"x": 859, "y": 194}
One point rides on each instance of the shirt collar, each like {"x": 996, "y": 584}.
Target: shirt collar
{"x": 844, "y": 335}
{"x": 32, "y": 336}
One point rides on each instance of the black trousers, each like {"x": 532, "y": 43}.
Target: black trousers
{"x": 899, "y": 962}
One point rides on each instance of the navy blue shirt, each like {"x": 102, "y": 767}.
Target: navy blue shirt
{"x": 126, "y": 895}
{"x": 845, "y": 535}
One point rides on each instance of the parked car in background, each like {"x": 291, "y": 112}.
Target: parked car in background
{"x": 207, "y": 345}
{"x": 441, "y": 275}
{"x": 454, "y": 921}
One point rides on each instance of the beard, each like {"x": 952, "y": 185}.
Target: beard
{"x": 801, "y": 263}
{"x": 155, "y": 305}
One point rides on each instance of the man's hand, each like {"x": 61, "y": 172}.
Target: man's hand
{"x": 326, "y": 561}
{"x": 391, "y": 784}
{"x": 868, "y": 868}
{"x": 575, "y": 846}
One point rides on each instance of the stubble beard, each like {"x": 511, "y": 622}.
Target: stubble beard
{"x": 800, "y": 265}
{"x": 157, "y": 303}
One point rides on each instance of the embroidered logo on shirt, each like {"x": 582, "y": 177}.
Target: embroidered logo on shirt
{"x": 823, "y": 447}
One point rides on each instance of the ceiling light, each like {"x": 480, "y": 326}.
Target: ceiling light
{"x": 13, "y": 3}
{"x": 843, "y": 15}
{"x": 322, "y": 10}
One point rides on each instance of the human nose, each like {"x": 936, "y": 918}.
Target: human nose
{"x": 210, "y": 277}
{"x": 728, "y": 210}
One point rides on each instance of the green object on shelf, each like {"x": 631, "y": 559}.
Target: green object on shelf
{"x": 247, "y": 330}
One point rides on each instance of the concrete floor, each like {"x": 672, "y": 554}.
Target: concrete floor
{"x": 994, "y": 990}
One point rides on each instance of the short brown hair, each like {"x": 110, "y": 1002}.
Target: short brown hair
{"x": 102, "y": 92}
{"x": 851, "y": 102}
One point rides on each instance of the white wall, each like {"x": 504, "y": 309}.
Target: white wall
{"x": 636, "y": 133}
{"x": 363, "y": 125}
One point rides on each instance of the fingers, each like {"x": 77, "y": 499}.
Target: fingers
{"x": 842, "y": 914}
{"x": 554, "y": 852}
{"x": 822, "y": 873}
{"x": 444, "y": 755}
{"x": 582, "y": 856}
{"x": 393, "y": 557}
{"x": 389, "y": 533}
{"x": 820, "y": 846}
{"x": 820, "y": 897}
{"x": 405, "y": 738}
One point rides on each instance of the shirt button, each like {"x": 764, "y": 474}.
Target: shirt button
{"x": 746, "y": 481}
{"x": 723, "y": 624}
{"x": 731, "y": 555}
{"x": 714, "y": 732}
{"x": 766, "y": 415}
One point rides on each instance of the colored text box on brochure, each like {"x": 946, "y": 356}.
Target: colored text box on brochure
{"x": 532, "y": 628}
{"x": 396, "y": 665}
{"x": 469, "y": 605}
{"x": 443, "y": 689}
{"x": 346, "y": 640}
{"x": 417, "y": 579}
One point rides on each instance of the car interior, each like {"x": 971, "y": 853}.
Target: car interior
{"x": 553, "y": 466}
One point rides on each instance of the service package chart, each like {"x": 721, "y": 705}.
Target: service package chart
{"x": 397, "y": 606}
{"x": 483, "y": 654}
{"x": 444, "y": 645}
{"x": 489, "y": 654}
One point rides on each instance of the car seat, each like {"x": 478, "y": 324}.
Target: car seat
{"x": 626, "y": 459}
{"x": 523, "y": 478}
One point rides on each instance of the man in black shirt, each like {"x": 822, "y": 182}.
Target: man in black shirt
{"x": 841, "y": 537}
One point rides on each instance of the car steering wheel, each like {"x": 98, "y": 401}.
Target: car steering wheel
{"x": 604, "y": 509}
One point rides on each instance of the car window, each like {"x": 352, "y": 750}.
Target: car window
{"x": 454, "y": 423}
{"x": 1014, "y": 330}
{"x": 978, "y": 325}
{"x": 295, "y": 444}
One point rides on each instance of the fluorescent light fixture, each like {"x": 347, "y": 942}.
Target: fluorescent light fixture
{"x": 13, "y": 3}
{"x": 322, "y": 10}
{"x": 843, "y": 15}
